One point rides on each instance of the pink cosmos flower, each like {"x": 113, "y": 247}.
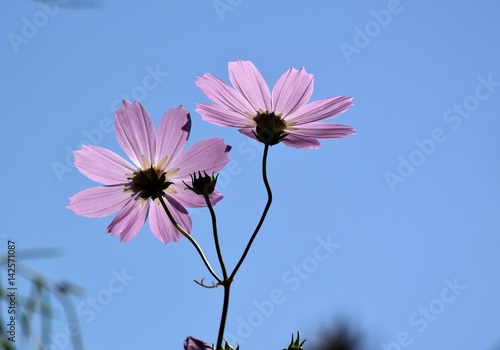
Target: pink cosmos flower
{"x": 283, "y": 116}
{"x": 195, "y": 344}
{"x": 159, "y": 170}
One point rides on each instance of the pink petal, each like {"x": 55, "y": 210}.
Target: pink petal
{"x": 221, "y": 116}
{"x": 292, "y": 90}
{"x": 102, "y": 165}
{"x": 136, "y": 133}
{"x": 194, "y": 344}
{"x": 172, "y": 134}
{"x": 302, "y": 142}
{"x": 321, "y": 109}
{"x": 161, "y": 225}
{"x": 129, "y": 220}
{"x": 249, "y": 132}
{"x": 322, "y": 130}
{"x": 192, "y": 200}
{"x": 223, "y": 94}
{"x": 248, "y": 81}
{"x": 97, "y": 202}
{"x": 208, "y": 155}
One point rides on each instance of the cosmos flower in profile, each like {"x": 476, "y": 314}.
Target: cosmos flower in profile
{"x": 283, "y": 116}
{"x": 160, "y": 170}
{"x": 195, "y": 344}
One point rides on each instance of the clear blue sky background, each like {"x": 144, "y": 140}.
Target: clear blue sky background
{"x": 411, "y": 202}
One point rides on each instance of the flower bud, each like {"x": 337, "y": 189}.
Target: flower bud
{"x": 203, "y": 184}
{"x": 229, "y": 347}
{"x": 195, "y": 344}
{"x": 296, "y": 345}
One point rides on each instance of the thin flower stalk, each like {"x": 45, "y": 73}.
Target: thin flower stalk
{"x": 191, "y": 239}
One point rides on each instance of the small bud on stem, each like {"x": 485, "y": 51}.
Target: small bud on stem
{"x": 203, "y": 184}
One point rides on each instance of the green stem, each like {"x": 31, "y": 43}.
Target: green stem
{"x": 264, "y": 213}
{"x": 191, "y": 239}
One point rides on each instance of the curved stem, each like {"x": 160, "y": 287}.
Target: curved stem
{"x": 264, "y": 213}
{"x": 227, "y": 282}
{"x": 216, "y": 236}
{"x": 191, "y": 239}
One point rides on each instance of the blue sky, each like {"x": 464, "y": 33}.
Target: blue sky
{"x": 394, "y": 229}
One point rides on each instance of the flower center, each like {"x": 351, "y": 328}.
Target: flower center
{"x": 149, "y": 183}
{"x": 270, "y": 128}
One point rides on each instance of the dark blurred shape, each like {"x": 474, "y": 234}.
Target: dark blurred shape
{"x": 73, "y": 4}
{"x": 340, "y": 338}
{"x": 68, "y": 288}
{"x": 496, "y": 347}
{"x": 35, "y": 307}
{"x": 26, "y": 254}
